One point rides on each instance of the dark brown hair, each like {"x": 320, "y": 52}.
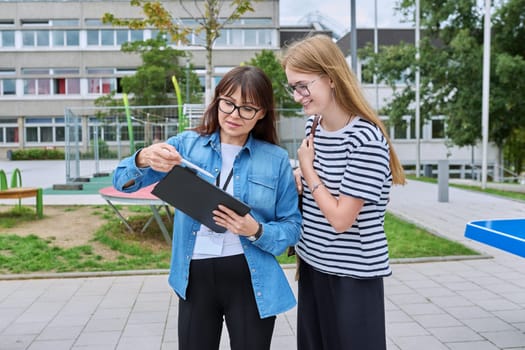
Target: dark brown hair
{"x": 256, "y": 88}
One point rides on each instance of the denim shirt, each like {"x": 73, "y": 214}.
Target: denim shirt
{"x": 263, "y": 179}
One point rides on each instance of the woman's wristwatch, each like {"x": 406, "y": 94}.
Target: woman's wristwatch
{"x": 257, "y": 234}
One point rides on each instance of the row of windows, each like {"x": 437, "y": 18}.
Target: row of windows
{"x": 52, "y": 130}
{"x": 61, "y": 86}
{"x": 116, "y": 37}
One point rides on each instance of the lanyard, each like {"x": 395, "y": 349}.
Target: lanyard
{"x": 228, "y": 179}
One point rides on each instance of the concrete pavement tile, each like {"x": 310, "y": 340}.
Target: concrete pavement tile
{"x": 16, "y": 342}
{"x": 149, "y": 306}
{"x": 158, "y": 296}
{"x": 405, "y": 299}
{"x": 69, "y": 320}
{"x": 283, "y": 342}
{"x": 24, "y": 328}
{"x": 147, "y": 330}
{"x": 105, "y": 314}
{"x": 397, "y": 316}
{"x": 405, "y": 329}
{"x": 435, "y": 320}
{"x": 40, "y": 312}
{"x": 478, "y": 345}
{"x": 511, "y": 316}
{"x": 94, "y": 347}
{"x": 101, "y": 325}
{"x": 170, "y": 335}
{"x": 142, "y": 343}
{"x": 451, "y": 301}
{"x": 51, "y": 345}
{"x": 436, "y": 292}
{"x": 60, "y": 333}
{"x": 488, "y": 324}
{"x": 506, "y": 339}
{"x": 466, "y": 312}
{"x": 499, "y": 304}
{"x": 98, "y": 339}
{"x": 461, "y": 286}
{"x": 455, "y": 334}
{"x": 282, "y": 327}
{"x": 422, "y": 309}
{"x": 169, "y": 346}
{"x": 147, "y": 317}
{"x": 427, "y": 342}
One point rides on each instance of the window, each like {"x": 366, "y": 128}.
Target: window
{"x": 8, "y": 131}
{"x": 101, "y": 84}
{"x": 438, "y": 127}
{"x": 7, "y": 87}
{"x": 35, "y": 38}
{"x": 7, "y": 38}
{"x": 58, "y": 84}
{"x": 44, "y": 130}
{"x": 7, "y": 82}
{"x": 64, "y": 85}
{"x": 66, "y": 38}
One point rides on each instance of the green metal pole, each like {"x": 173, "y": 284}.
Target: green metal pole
{"x": 182, "y": 117}
{"x": 130, "y": 125}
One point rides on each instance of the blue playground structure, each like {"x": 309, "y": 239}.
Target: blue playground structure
{"x": 504, "y": 234}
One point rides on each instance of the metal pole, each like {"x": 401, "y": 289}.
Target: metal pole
{"x": 187, "y": 80}
{"x": 485, "y": 95}
{"x": 353, "y": 36}
{"x": 418, "y": 114}
{"x": 375, "y": 52}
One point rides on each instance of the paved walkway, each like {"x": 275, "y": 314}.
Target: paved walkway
{"x": 451, "y": 304}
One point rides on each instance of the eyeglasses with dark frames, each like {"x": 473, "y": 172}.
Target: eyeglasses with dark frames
{"x": 245, "y": 112}
{"x": 301, "y": 88}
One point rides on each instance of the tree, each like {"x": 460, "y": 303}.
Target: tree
{"x": 268, "y": 62}
{"x": 152, "y": 85}
{"x": 209, "y": 15}
{"x": 451, "y": 69}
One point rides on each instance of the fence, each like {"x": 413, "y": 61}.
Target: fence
{"x": 96, "y": 138}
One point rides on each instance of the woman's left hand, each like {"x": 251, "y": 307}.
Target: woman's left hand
{"x": 240, "y": 225}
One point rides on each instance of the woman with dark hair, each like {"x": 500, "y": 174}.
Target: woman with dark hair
{"x": 233, "y": 275}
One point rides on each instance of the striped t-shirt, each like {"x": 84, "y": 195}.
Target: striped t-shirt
{"x": 352, "y": 161}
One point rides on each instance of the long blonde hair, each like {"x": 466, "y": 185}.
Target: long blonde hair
{"x": 318, "y": 54}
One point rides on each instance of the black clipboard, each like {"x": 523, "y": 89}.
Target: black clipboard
{"x": 196, "y": 197}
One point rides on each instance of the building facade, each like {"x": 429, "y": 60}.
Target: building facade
{"x": 58, "y": 54}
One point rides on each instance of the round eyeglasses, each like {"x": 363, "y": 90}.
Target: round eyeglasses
{"x": 301, "y": 88}
{"x": 245, "y": 112}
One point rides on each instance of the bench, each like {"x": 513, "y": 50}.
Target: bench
{"x": 25, "y": 192}
{"x": 17, "y": 192}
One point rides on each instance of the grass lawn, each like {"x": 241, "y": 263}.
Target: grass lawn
{"x": 148, "y": 250}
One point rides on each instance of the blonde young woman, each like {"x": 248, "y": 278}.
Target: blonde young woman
{"x": 345, "y": 175}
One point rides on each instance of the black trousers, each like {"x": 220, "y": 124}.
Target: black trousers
{"x": 339, "y": 313}
{"x": 220, "y": 289}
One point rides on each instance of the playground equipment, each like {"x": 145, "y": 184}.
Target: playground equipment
{"x": 504, "y": 234}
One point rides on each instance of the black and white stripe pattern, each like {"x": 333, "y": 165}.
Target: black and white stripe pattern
{"x": 353, "y": 161}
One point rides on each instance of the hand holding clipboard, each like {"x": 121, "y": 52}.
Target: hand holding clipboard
{"x": 196, "y": 197}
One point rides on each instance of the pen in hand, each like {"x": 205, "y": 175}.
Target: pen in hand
{"x": 193, "y": 166}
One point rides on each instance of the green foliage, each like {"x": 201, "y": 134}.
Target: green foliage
{"x": 268, "y": 62}
{"x": 151, "y": 85}
{"x": 37, "y": 154}
{"x": 210, "y": 16}
{"x": 451, "y": 58}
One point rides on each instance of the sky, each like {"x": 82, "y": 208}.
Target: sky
{"x": 338, "y": 11}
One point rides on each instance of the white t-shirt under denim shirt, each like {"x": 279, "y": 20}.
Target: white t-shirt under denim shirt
{"x": 230, "y": 242}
